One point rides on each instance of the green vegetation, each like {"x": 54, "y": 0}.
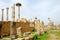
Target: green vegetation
{"x": 52, "y": 29}
{"x": 57, "y": 32}
{"x": 20, "y": 36}
{"x": 6, "y": 36}
{"x": 41, "y": 37}
{"x": 33, "y": 31}
{"x": 0, "y": 38}
{"x": 54, "y": 34}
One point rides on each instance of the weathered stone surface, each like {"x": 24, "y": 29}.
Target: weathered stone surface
{"x": 6, "y": 27}
{"x": 6, "y": 39}
{"x": 19, "y": 31}
{"x": 26, "y": 34}
{"x": 27, "y": 38}
{"x": 20, "y": 38}
{"x": 37, "y": 25}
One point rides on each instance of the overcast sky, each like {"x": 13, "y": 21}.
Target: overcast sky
{"x": 30, "y": 9}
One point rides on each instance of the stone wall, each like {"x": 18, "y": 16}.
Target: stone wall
{"x": 6, "y": 27}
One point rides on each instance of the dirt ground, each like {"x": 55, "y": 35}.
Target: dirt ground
{"x": 54, "y": 35}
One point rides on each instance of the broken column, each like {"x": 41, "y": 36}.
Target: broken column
{"x": 37, "y": 25}
{"x": 18, "y": 5}
{"x": 42, "y": 27}
{"x": 13, "y": 12}
{"x": 2, "y": 13}
{"x": 50, "y": 23}
{"x": 31, "y": 23}
{"x": 7, "y": 13}
{"x": 13, "y": 23}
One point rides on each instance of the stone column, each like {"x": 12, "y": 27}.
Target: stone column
{"x": 18, "y": 5}
{"x": 37, "y": 25}
{"x": 13, "y": 18}
{"x": 7, "y": 13}
{"x": 13, "y": 24}
{"x": 19, "y": 12}
{"x": 2, "y": 13}
{"x": 13, "y": 12}
{"x": 13, "y": 30}
{"x": 50, "y": 23}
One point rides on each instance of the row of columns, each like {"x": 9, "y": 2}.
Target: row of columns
{"x": 13, "y": 24}
{"x": 3, "y": 13}
{"x": 13, "y": 12}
